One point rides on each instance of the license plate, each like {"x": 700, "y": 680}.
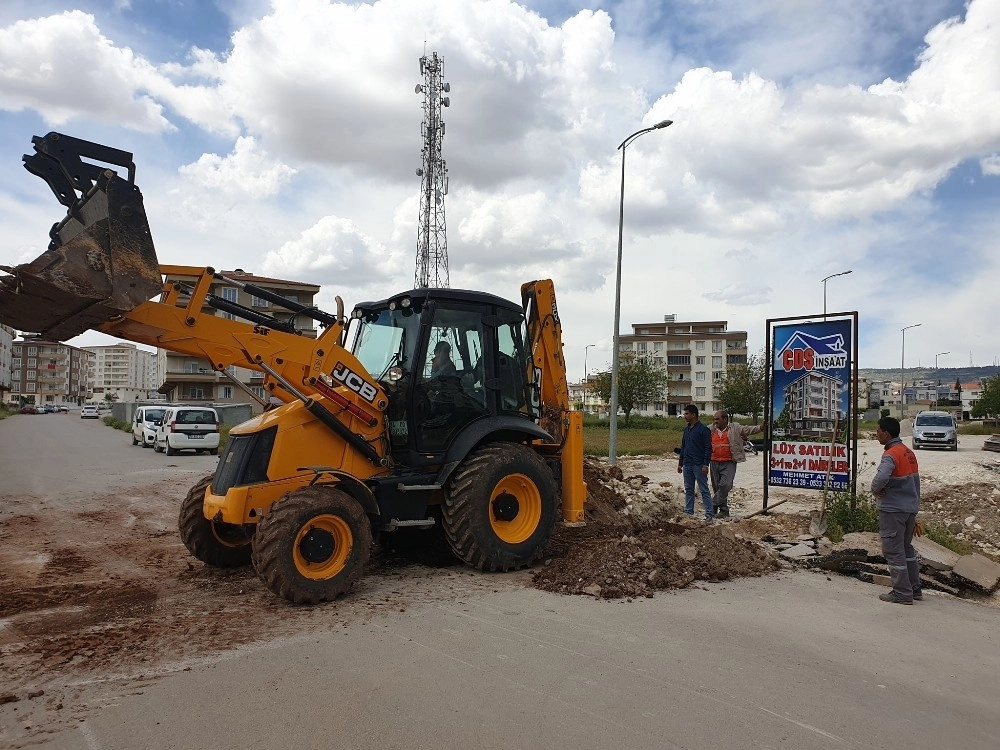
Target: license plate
{"x": 196, "y": 437}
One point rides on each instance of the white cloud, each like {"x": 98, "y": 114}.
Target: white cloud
{"x": 248, "y": 172}
{"x": 990, "y": 165}
{"x": 63, "y": 67}
{"x": 334, "y": 251}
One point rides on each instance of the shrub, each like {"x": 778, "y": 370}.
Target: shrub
{"x": 840, "y": 519}
{"x": 884, "y": 412}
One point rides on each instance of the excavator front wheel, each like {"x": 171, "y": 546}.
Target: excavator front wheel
{"x": 312, "y": 545}
{"x": 500, "y": 507}
{"x": 221, "y": 545}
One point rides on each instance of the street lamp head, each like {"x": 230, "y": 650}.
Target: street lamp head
{"x": 663, "y": 124}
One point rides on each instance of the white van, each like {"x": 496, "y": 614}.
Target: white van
{"x": 193, "y": 428}
{"x": 144, "y": 423}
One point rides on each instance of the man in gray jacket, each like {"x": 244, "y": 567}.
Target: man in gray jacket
{"x": 896, "y": 489}
{"x": 727, "y": 451}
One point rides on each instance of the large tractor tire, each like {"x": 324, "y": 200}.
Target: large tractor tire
{"x": 220, "y": 545}
{"x": 312, "y": 545}
{"x": 500, "y": 507}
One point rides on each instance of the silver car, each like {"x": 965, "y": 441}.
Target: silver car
{"x": 935, "y": 429}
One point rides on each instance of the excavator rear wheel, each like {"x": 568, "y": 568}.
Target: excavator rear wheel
{"x": 221, "y": 545}
{"x": 500, "y": 507}
{"x": 312, "y": 545}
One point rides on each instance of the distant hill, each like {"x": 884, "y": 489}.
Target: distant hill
{"x": 946, "y": 375}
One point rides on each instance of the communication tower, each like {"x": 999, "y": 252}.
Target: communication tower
{"x": 432, "y": 236}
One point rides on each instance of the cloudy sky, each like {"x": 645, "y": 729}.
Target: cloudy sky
{"x": 809, "y": 138}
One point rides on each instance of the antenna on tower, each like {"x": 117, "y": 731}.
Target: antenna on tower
{"x": 432, "y": 236}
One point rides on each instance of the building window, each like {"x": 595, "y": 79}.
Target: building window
{"x": 32, "y": 362}
{"x": 716, "y": 362}
{"x": 32, "y": 351}
{"x": 30, "y": 374}
{"x": 699, "y": 360}
{"x": 641, "y": 347}
{"x": 30, "y": 388}
{"x": 193, "y": 392}
{"x": 230, "y": 293}
{"x": 227, "y": 393}
{"x": 657, "y": 346}
{"x": 699, "y": 345}
{"x": 699, "y": 376}
{"x": 258, "y": 391}
{"x": 679, "y": 360}
{"x": 256, "y": 376}
{"x": 258, "y": 302}
{"x": 699, "y": 391}
{"x": 717, "y": 346}
{"x": 718, "y": 375}
{"x": 16, "y": 363}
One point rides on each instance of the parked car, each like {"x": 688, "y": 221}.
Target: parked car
{"x": 934, "y": 429}
{"x": 144, "y": 424}
{"x": 63, "y": 409}
{"x": 90, "y": 412}
{"x": 188, "y": 428}
{"x": 29, "y": 409}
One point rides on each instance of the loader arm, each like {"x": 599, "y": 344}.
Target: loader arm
{"x": 549, "y": 376}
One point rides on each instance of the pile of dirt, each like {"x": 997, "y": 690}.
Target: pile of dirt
{"x": 636, "y": 542}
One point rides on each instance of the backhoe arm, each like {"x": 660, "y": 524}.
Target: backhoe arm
{"x": 549, "y": 376}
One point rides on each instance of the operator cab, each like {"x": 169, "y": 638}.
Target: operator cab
{"x": 446, "y": 359}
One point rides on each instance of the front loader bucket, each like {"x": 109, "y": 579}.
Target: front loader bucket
{"x": 100, "y": 263}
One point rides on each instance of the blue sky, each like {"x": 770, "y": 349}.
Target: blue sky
{"x": 809, "y": 138}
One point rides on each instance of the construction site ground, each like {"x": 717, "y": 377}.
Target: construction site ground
{"x": 95, "y": 584}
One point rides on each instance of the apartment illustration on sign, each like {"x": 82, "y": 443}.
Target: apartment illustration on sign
{"x": 811, "y": 373}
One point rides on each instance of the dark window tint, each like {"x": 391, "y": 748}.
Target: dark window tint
{"x": 195, "y": 416}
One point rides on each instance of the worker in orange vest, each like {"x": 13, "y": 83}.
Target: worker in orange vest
{"x": 896, "y": 489}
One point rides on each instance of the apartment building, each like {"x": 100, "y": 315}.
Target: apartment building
{"x": 694, "y": 354}
{"x": 123, "y": 372}
{"x": 50, "y": 372}
{"x": 184, "y": 379}
{"x": 813, "y": 403}
{"x": 6, "y": 351}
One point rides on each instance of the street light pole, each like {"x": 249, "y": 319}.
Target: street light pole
{"x": 938, "y": 355}
{"x": 585, "y": 378}
{"x": 902, "y": 368}
{"x": 613, "y": 431}
{"x": 832, "y": 275}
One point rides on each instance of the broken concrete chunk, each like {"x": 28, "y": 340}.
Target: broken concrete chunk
{"x": 798, "y": 552}
{"x": 979, "y": 572}
{"x": 687, "y": 553}
{"x": 593, "y": 589}
{"x": 933, "y": 555}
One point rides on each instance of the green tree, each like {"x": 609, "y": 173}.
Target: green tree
{"x": 743, "y": 390}
{"x": 988, "y": 404}
{"x": 639, "y": 382}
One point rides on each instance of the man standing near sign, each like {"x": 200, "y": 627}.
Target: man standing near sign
{"x": 694, "y": 456}
{"x": 896, "y": 488}
{"x": 727, "y": 451}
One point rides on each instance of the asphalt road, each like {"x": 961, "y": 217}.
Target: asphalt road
{"x": 792, "y": 661}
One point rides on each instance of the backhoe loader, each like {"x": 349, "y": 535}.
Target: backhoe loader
{"x": 360, "y": 435}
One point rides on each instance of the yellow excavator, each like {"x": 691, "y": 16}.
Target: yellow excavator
{"x": 429, "y": 407}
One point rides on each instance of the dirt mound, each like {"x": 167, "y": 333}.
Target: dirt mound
{"x": 635, "y": 543}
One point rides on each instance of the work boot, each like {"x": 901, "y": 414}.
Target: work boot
{"x": 722, "y": 511}
{"x": 893, "y": 598}
{"x": 918, "y": 595}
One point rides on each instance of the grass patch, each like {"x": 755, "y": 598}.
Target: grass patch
{"x": 978, "y": 428}
{"x": 644, "y": 436}
{"x": 945, "y": 538}
{"x": 840, "y": 519}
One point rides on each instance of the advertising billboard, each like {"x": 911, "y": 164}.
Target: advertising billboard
{"x": 810, "y": 401}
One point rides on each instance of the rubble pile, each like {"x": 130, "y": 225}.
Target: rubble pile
{"x": 637, "y": 541}
{"x": 859, "y": 555}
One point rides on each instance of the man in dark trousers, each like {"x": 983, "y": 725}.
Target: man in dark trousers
{"x": 896, "y": 489}
{"x": 728, "y": 439}
{"x": 694, "y": 457}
